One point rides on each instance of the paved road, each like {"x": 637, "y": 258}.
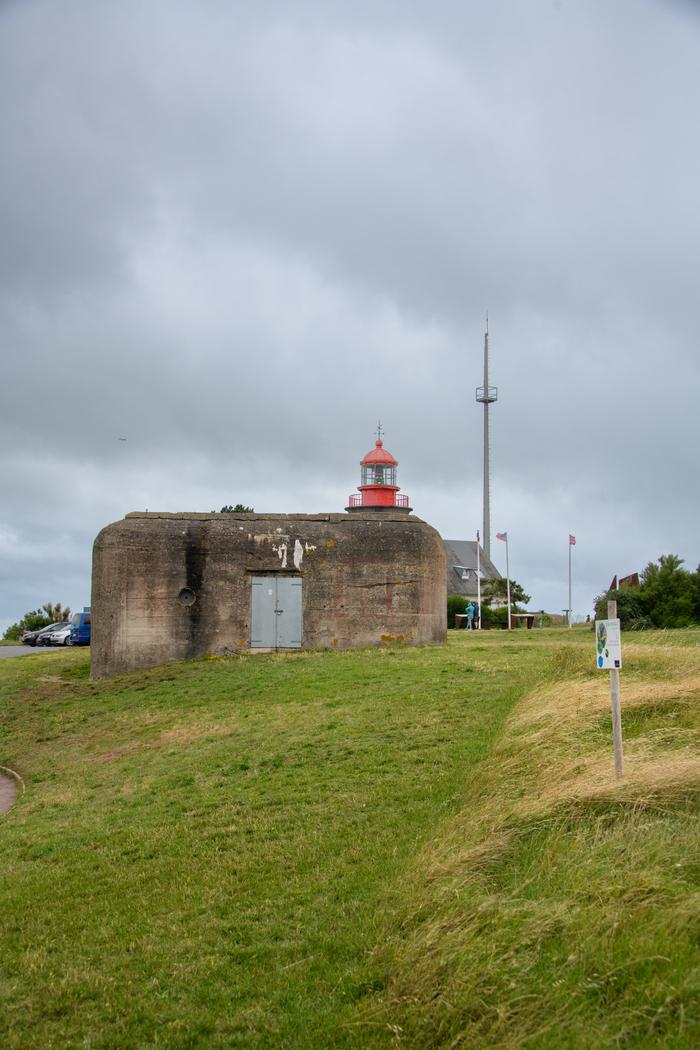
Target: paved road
{"x": 25, "y": 650}
{"x": 8, "y": 792}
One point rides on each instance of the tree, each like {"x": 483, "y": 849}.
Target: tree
{"x": 238, "y": 509}
{"x": 668, "y": 596}
{"x": 497, "y": 590}
{"x": 667, "y": 590}
{"x": 56, "y": 613}
{"x": 631, "y": 608}
{"x": 456, "y": 603}
{"x": 38, "y": 618}
{"x": 695, "y": 591}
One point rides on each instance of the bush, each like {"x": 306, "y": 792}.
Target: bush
{"x": 631, "y": 608}
{"x": 667, "y": 597}
{"x": 494, "y": 617}
{"x": 456, "y": 603}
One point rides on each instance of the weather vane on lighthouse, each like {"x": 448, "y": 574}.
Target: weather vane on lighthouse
{"x": 379, "y": 431}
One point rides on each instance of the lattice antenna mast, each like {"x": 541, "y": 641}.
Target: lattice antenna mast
{"x": 486, "y": 395}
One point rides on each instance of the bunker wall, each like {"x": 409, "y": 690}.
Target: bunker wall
{"x": 176, "y": 586}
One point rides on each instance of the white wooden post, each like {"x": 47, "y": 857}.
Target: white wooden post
{"x": 615, "y": 703}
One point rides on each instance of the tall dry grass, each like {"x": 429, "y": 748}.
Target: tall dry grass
{"x": 561, "y": 906}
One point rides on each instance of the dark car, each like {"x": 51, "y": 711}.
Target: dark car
{"x": 80, "y": 628}
{"x": 42, "y": 636}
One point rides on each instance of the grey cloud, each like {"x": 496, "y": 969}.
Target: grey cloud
{"x": 238, "y": 236}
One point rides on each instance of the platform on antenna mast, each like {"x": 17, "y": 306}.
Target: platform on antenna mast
{"x": 487, "y": 394}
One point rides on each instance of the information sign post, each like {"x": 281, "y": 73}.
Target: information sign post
{"x": 609, "y": 657}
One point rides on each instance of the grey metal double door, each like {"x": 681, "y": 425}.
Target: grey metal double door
{"x": 275, "y": 612}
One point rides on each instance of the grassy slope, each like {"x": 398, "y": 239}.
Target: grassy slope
{"x": 353, "y": 849}
{"x": 560, "y": 908}
{"x": 206, "y": 851}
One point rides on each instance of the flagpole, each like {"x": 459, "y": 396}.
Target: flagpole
{"x": 570, "y": 545}
{"x": 478, "y": 579}
{"x": 508, "y": 580}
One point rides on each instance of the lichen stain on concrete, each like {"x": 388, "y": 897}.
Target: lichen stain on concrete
{"x": 281, "y": 551}
{"x": 330, "y": 544}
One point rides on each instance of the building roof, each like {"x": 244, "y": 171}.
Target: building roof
{"x": 461, "y": 567}
{"x": 379, "y": 456}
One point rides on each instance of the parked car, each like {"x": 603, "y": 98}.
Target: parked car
{"x": 41, "y": 637}
{"x": 61, "y": 637}
{"x": 45, "y": 637}
{"x": 80, "y": 628}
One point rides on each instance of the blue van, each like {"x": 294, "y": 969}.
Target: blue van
{"x": 80, "y": 627}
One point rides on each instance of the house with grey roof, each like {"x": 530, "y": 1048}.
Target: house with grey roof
{"x": 461, "y": 567}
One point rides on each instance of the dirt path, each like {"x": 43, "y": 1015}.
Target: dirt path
{"x": 8, "y": 792}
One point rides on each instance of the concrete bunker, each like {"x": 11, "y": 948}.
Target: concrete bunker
{"x": 168, "y": 587}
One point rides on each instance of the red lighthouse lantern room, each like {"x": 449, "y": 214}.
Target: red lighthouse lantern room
{"x": 378, "y": 488}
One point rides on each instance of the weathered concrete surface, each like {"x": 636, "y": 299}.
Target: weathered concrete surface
{"x": 367, "y": 580}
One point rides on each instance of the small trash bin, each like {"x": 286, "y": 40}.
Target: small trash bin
{"x": 460, "y": 621}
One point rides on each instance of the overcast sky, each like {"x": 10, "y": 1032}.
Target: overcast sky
{"x": 237, "y": 235}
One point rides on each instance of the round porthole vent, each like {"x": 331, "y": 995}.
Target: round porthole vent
{"x": 186, "y": 596}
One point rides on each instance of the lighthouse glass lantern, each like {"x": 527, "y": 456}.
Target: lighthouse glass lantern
{"x": 378, "y": 489}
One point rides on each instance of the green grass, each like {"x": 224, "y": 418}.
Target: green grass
{"x": 350, "y": 849}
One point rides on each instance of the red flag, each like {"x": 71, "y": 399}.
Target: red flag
{"x": 613, "y": 585}
{"x": 572, "y": 540}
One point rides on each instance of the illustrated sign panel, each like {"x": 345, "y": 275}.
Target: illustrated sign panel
{"x": 608, "y": 645}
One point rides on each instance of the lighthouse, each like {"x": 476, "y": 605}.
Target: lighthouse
{"x": 378, "y": 489}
